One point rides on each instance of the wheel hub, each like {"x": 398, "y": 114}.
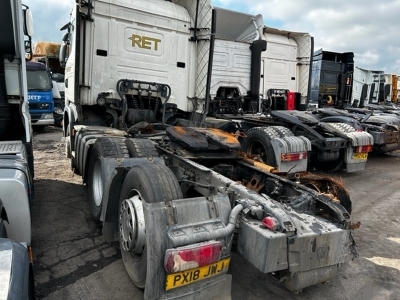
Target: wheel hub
{"x": 132, "y": 233}
{"x": 258, "y": 150}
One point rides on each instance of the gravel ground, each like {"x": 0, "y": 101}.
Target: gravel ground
{"x": 73, "y": 262}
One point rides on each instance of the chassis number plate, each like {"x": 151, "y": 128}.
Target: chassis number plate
{"x": 360, "y": 155}
{"x": 193, "y": 275}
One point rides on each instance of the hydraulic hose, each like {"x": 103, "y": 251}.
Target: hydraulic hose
{"x": 214, "y": 235}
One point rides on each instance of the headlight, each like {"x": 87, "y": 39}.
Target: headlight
{"x": 58, "y": 110}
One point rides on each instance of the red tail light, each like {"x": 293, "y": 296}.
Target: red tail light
{"x": 192, "y": 256}
{"x": 293, "y": 156}
{"x": 363, "y": 149}
{"x": 271, "y": 223}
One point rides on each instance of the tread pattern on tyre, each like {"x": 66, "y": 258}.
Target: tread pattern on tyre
{"x": 169, "y": 183}
{"x": 113, "y": 147}
{"x": 346, "y": 128}
{"x": 265, "y": 134}
{"x": 273, "y": 131}
{"x": 141, "y": 148}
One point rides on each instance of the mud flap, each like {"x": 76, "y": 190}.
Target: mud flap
{"x": 287, "y": 145}
{"x": 113, "y": 173}
{"x": 357, "y": 139}
{"x": 157, "y": 215}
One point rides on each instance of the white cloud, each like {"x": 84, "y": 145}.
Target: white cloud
{"x": 48, "y": 17}
{"x": 367, "y": 28}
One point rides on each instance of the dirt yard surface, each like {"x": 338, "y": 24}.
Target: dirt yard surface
{"x": 71, "y": 261}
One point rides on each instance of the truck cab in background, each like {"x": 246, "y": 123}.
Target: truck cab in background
{"x": 261, "y": 78}
{"x": 345, "y": 93}
{"x": 48, "y": 54}
{"x": 40, "y": 94}
{"x": 257, "y": 68}
{"x": 338, "y": 82}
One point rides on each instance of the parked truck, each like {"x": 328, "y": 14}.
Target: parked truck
{"x": 40, "y": 95}
{"x": 178, "y": 197}
{"x": 339, "y": 83}
{"x": 263, "y": 81}
{"x": 341, "y": 91}
{"x": 16, "y": 155}
{"x": 47, "y": 53}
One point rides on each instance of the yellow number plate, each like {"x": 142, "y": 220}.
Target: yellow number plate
{"x": 193, "y": 275}
{"x": 360, "y": 155}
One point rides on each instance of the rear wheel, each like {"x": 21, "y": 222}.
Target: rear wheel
{"x": 108, "y": 148}
{"x": 257, "y": 144}
{"x": 150, "y": 183}
{"x": 141, "y": 148}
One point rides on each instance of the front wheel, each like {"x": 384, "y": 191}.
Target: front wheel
{"x": 150, "y": 183}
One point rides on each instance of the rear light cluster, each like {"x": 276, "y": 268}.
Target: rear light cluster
{"x": 293, "y": 156}
{"x": 192, "y": 256}
{"x": 363, "y": 149}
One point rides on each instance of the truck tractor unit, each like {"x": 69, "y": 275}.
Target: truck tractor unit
{"x": 177, "y": 198}
{"x": 332, "y": 79}
{"x": 16, "y": 154}
{"x": 258, "y": 68}
{"x": 261, "y": 79}
{"x": 383, "y": 126}
{"x": 40, "y": 95}
{"x": 337, "y": 82}
{"x": 48, "y": 54}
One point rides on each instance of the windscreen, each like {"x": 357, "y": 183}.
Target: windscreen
{"x": 38, "y": 80}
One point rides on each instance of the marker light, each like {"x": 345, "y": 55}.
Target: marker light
{"x": 192, "y": 256}
{"x": 271, "y": 223}
{"x": 293, "y": 156}
{"x": 363, "y": 149}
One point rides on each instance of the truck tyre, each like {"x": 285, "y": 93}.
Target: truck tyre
{"x": 151, "y": 183}
{"x": 141, "y": 148}
{"x": 108, "y": 148}
{"x": 258, "y": 142}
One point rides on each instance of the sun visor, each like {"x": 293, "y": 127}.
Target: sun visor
{"x": 237, "y": 26}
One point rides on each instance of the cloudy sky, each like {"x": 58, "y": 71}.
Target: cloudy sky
{"x": 370, "y": 29}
